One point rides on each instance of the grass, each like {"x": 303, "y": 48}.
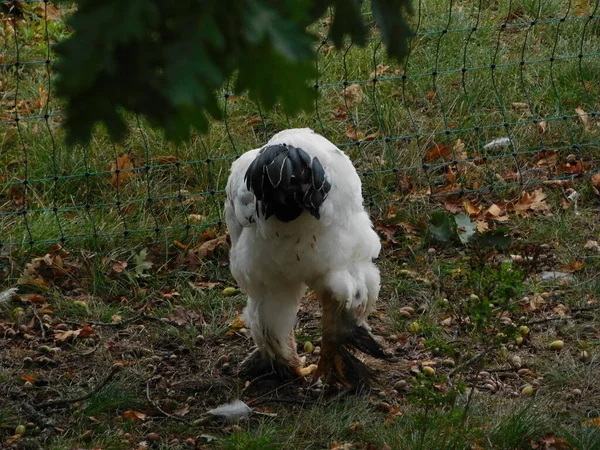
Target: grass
{"x": 175, "y": 331}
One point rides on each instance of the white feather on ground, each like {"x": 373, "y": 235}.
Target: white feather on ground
{"x": 232, "y": 412}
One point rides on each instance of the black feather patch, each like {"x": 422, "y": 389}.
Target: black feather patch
{"x": 286, "y": 181}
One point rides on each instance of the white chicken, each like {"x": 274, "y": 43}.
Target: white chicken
{"x": 295, "y": 215}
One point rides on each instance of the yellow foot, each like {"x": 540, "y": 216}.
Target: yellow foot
{"x": 304, "y": 371}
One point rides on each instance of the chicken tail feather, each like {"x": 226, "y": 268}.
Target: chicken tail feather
{"x": 287, "y": 181}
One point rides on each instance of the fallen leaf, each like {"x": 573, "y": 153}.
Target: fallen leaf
{"x": 196, "y": 218}
{"x": 596, "y": 183}
{"x": 482, "y": 226}
{"x": 523, "y": 108}
{"x": 471, "y": 209}
{"x": 585, "y": 119}
{"x": 237, "y": 324}
{"x": 340, "y": 112}
{"x": 535, "y": 302}
{"x": 182, "y": 411}
{"x": 542, "y": 126}
{"x": 594, "y": 422}
{"x": 166, "y": 159}
{"x": 254, "y": 120}
{"x": 533, "y": 202}
{"x": 380, "y": 71}
{"x": 439, "y": 152}
{"x": 29, "y": 378}
{"x": 121, "y": 170}
{"x": 116, "y": 318}
{"x": 207, "y": 248}
{"x": 388, "y": 232}
{"x": 354, "y": 134}
{"x": 353, "y": 95}
{"x": 133, "y": 415}
{"x": 430, "y": 95}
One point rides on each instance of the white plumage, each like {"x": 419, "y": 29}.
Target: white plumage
{"x": 274, "y": 261}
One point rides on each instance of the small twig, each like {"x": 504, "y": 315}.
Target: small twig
{"x": 557, "y": 318}
{"x": 39, "y": 319}
{"x": 89, "y": 352}
{"x": 470, "y": 361}
{"x": 500, "y": 370}
{"x": 162, "y": 411}
{"x": 67, "y": 401}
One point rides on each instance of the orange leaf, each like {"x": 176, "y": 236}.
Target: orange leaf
{"x": 134, "y": 415}
{"x": 29, "y": 378}
{"x": 86, "y": 330}
{"x": 594, "y": 422}
{"x": 354, "y": 134}
{"x": 236, "y": 325}
{"x": 439, "y": 152}
{"x": 121, "y": 170}
{"x": 576, "y": 265}
{"x": 471, "y": 209}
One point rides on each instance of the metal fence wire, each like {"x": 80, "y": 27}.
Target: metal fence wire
{"x": 494, "y": 95}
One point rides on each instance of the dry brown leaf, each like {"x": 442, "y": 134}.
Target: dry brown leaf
{"x": 353, "y": 95}
{"x": 208, "y": 247}
{"x": 354, "y": 134}
{"x": 340, "y": 112}
{"x": 166, "y": 159}
{"x": 585, "y": 119}
{"x": 576, "y": 265}
{"x": 52, "y": 13}
{"x": 535, "y": 302}
{"x": 534, "y": 201}
{"x": 408, "y": 227}
{"x": 133, "y": 415}
{"x": 450, "y": 175}
{"x": 430, "y": 95}
{"x": 439, "y": 152}
{"x": 594, "y": 422}
{"x": 596, "y": 180}
{"x": 561, "y": 310}
{"x": 380, "y": 71}
{"x": 453, "y": 207}
{"x": 482, "y": 226}
{"x": 472, "y": 209}
{"x": 542, "y": 126}
{"x": 522, "y": 108}
{"x": 236, "y": 325}
{"x": 121, "y": 170}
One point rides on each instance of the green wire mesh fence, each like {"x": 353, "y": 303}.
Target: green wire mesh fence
{"x": 493, "y": 95}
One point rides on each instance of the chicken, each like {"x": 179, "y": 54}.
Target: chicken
{"x": 295, "y": 215}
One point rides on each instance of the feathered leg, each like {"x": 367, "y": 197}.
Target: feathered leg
{"x": 347, "y": 298}
{"x": 271, "y": 317}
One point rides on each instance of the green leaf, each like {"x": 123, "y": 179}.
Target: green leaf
{"x": 165, "y": 61}
{"x": 498, "y": 237}
{"x": 390, "y": 16}
{"x": 347, "y": 20}
{"x": 465, "y": 228}
{"x": 441, "y": 227}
